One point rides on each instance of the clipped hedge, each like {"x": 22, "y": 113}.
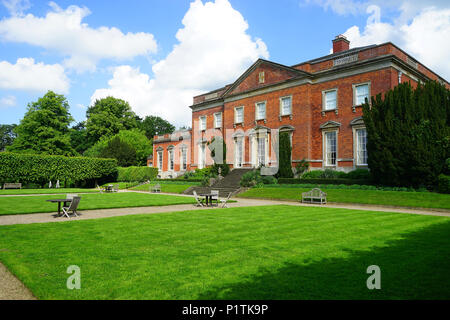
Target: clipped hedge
{"x": 323, "y": 181}
{"x": 132, "y": 174}
{"x": 444, "y": 183}
{"x": 31, "y": 168}
{"x": 181, "y": 181}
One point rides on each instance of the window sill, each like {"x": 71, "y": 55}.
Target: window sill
{"x": 281, "y": 116}
{"x": 330, "y": 110}
{"x": 358, "y": 106}
{"x": 238, "y": 123}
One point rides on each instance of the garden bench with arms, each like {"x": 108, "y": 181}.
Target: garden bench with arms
{"x": 12, "y": 186}
{"x": 314, "y": 196}
{"x": 156, "y": 188}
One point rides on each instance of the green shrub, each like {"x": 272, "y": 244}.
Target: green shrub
{"x": 255, "y": 179}
{"x": 302, "y": 166}
{"x": 324, "y": 174}
{"x": 251, "y": 178}
{"x": 40, "y": 169}
{"x": 447, "y": 166}
{"x": 314, "y": 174}
{"x": 140, "y": 174}
{"x": 444, "y": 183}
{"x": 224, "y": 169}
{"x": 360, "y": 174}
{"x": 336, "y": 181}
{"x": 269, "y": 180}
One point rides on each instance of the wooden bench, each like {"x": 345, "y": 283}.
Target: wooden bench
{"x": 12, "y": 186}
{"x": 314, "y": 196}
{"x": 156, "y": 188}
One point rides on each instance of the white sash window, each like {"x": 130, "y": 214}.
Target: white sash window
{"x": 330, "y": 148}
{"x": 361, "y": 92}
{"x": 260, "y": 111}
{"x": 330, "y": 100}
{"x": 361, "y": 147}
{"x": 286, "y": 106}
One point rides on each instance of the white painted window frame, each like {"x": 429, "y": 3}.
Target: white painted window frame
{"x": 215, "y": 120}
{"x": 281, "y": 106}
{"x": 201, "y": 123}
{"x": 325, "y": 146}
{"x": 160, "y": 159}
{"x": 354, "y": 86}
{"x": 356, "y": 147}
{"x": 324, "y": 100}
{"x": 235, "y": 115}
{"x": 256, "y": 110}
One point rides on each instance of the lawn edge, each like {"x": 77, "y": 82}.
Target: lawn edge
{"x": 356, "y": 204}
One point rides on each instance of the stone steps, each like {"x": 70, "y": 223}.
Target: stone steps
{"x": 230, "y": 183}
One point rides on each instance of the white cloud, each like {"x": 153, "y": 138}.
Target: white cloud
{"x": 27, "y": 75}
{"x": 342, "y": 7}
{"x": 8, "y": 101}
{"x": 425, "y": 37}
{"x": 213, "y": 50}
{"x": 16, "y": 7}
{"x": 63, "y": 31}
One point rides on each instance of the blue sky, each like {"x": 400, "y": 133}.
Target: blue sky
{"x": 158, "y": 54}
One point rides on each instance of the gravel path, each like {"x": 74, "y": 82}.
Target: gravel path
{"x": 11, "y": 288}
{"x": 241, "y": 202}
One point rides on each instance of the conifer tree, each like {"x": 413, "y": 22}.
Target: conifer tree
{"x": 408, "y": 134}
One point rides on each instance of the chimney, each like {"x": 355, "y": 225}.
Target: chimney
{"x": 340, "y": 43}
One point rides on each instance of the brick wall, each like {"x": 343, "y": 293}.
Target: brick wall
{"x": 307, "y": 114}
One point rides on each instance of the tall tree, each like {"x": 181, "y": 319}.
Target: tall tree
{"x": 78, "y": 138}
{"x": 153, "y": 125}
{"x": 285, "y": 150}
{"x": 120, "y": 150}
{"x": 408, "y": 134}
{"x": 135, "y": 138}
{"x": 45, "y": 127}
{"x": 7, "y": 135}
{"x": 107, "y": 117}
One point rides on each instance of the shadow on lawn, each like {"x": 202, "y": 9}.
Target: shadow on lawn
{"x": 415, "y": 267}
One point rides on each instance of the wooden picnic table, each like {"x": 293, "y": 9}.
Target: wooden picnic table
{"x": 59, "y": 201}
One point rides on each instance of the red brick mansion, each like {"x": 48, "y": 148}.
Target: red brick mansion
{"x": 318, "y": 102}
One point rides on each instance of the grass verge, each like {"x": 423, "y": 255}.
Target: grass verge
{"x": 274, "y": 252}
{"x": 38, "y": 204}
{"x": 375, "y": 197}
{"x": 46, "y": 191}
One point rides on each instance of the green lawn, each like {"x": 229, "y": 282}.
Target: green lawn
{"x": 275, "y": 252}
{"x": 35, "y": 204}
{"x": 168, "y": 187}
{"x": 377, "y": 197}
{"x": 45, "y": 191}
